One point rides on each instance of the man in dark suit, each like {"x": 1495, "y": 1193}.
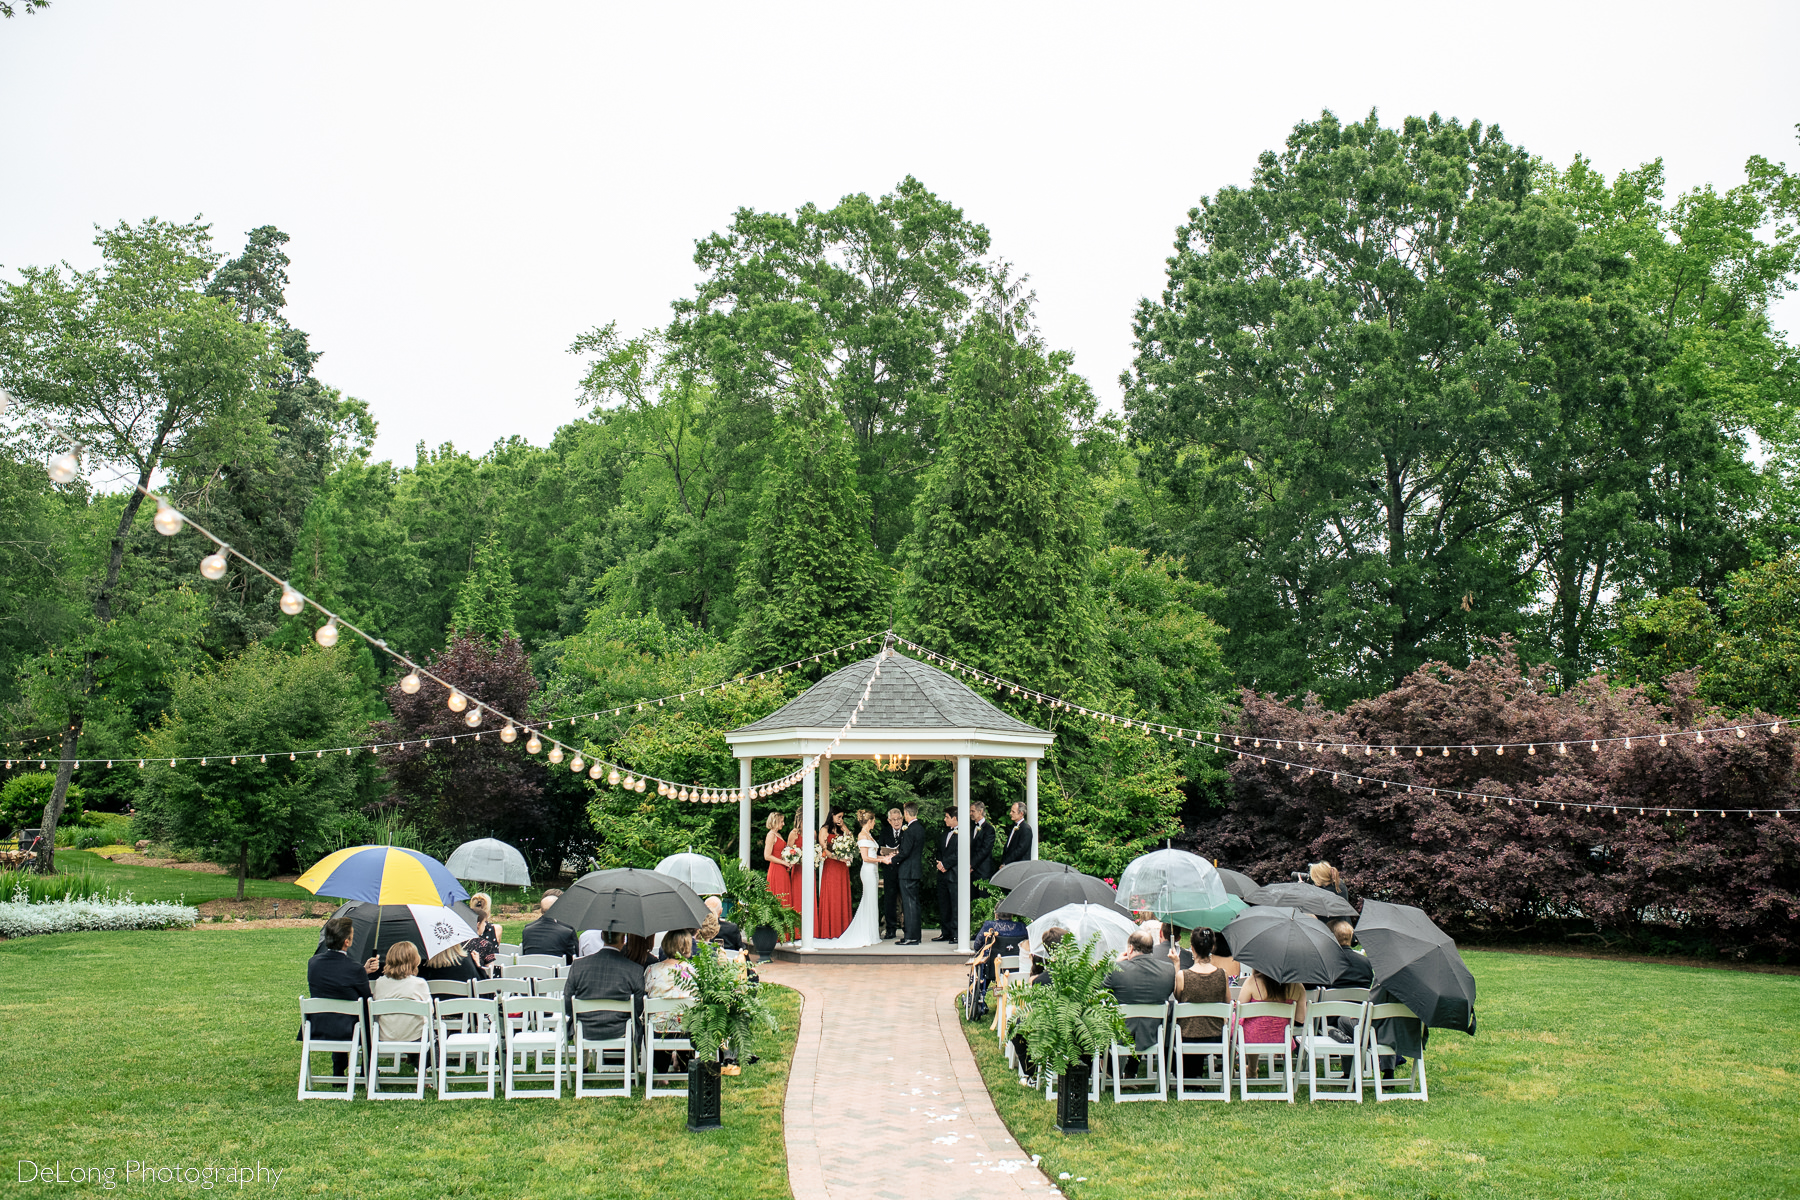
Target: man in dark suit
{"x": 1142, "y": 977}
{"x": 911, "y": 871}
{"x": 1019, "y": 839}
{"x": 605, "y": 974}
{"x": 981, "y": 844}
{"x": 330, "y": 975}
{"x": 887, "y": 841}
{"x": 947, "y": 865}
{"x": 546, "y": 935}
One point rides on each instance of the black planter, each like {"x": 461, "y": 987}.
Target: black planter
{"x": 763, "y": 937}
{"x": 703, "y": 1097}
{"x": 1071, "y": 1099}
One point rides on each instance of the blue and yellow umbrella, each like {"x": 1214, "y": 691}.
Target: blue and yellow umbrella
{"x": 383, "y": 875}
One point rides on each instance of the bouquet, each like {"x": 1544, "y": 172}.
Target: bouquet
{"x": 790, "y": 857}
{"x": 843, "y": 848}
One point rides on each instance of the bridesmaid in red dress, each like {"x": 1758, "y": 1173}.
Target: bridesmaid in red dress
{"x": 781, "y": 879}
{"x": 832, "y": 916}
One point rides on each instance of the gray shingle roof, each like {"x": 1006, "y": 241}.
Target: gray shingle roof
{"x": 908, "y": 695}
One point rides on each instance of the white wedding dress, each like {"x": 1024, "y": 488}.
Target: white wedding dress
{"x": 865, "y": 926}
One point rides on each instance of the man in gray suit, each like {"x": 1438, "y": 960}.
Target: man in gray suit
{"x": 1142, "y": 977}
{"x": 605, "y": 974}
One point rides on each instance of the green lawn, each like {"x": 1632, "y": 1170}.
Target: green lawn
{"x": 176, "y": 885}
{"x": 1588, "y": 1079}
{"x": 178, "y": 1047}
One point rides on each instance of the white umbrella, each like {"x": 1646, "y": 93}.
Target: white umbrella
{"x": 696, "y": 870}
{"x": 1084, "y": 921}
{"x": 1173, "y": 885}
{"x": 489, "y": 861}
{"x": 438, "y": 928}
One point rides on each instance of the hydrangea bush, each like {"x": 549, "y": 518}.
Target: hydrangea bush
{"x": 20, "y": 918}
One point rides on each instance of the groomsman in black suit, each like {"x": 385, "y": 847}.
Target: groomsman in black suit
{"x": 1019, "y": 839}
{"x": 909, "y": 863}
{"x": 947, "y": 867}
{"x": 981, "y": 844}
{"x": 887, "y": 838}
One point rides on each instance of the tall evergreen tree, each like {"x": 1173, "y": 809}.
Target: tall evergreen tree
{"x": 809, "y": 577}
{"x": 488, "y": 599}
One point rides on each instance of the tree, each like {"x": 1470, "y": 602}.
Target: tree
{"x": 134, "y": 363}
{"x": 241, "y": 804}
{"x": 488, "y": 596}
{"x": 809, "y": 576}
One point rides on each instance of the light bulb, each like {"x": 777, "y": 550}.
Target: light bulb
{"x": 594, "y": 771}
{"x": 556, "y": 754}
{"x": 533, "y": 746}
{"x": 612, "y": 777}
{"x": 63, "y": 466}
{"x": 213, "y": 565}
{"x": 166, "y": 520}
{"x": 682, "y": 794}
{"x": 291, "y": 601}
{"x": 638, "y": 786}
{"x": 409, "y": 683}
{"x": 457, "y": 701}
{"x": 575, "y": 765}
{"x": 327, "y": 634}
{"x": 473, "y": 720}
{"x": 509, "y": 734}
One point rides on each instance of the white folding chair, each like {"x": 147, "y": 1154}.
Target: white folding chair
{"x": 1158, "y": 1057}
{"x": 309, "y": 1046}
{"x": 502, "y": 987}
{"x": 419, "y": 1044}
{"x": 551, "y": 987}
{"x": 1347, "y": 995}
{"x": 511, "y": 949}
{"x": 527, "y": 971}
{"x": 663, "y": 1039}
{"x": 455, "y": 989}
{"x": 1318, "y": 1050}
{"x": 537, "y": 1031}
{"x": 541, "y": 960}
{"x": 1206, "y": 1086}
{"x": 623, "y": 1045}
{"x": 466, "y": 1027}
{"x": 1410, "y": 1086}
{"x": 1281, "y": 1088}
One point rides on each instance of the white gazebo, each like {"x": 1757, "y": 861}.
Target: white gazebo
{"x": 912, "y": 709}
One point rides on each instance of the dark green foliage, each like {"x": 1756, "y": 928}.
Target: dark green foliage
{"x": 1074, "y": 1017}
{"x": 488, "y": 596}
{"x": 23, "y": 798}
{"x": 728, "y": 1008}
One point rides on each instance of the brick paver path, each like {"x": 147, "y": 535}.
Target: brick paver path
{"x": 884, "y": 1099}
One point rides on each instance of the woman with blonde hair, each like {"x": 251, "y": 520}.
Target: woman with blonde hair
{"x": 485, "y": 949}
{"x": 1326, "y": 876}
{"x": 400, "y": 981}
{"x": 452, "y": 962}
{"x": 671, "y": 977}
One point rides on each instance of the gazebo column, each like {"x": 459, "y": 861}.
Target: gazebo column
{"x": 962, "y": 853}
{"x": 809, "y": 879}
{"x": 1031, "y": 802}
{"x": 744, "y": 765}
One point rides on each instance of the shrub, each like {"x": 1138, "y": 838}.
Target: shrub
{"x": 23, "y": 798}
{"x": 21, "y": 919}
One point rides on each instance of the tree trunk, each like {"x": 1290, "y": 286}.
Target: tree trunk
{"x": 243, "y": 866}
{"x": 46, "y": 859}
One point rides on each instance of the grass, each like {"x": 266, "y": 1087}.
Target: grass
{"x": 178, "y": 1047}
{"x": 176, "y": 885}
{"x": 1587, "y": 1079}
{"x": 39, "y": 888}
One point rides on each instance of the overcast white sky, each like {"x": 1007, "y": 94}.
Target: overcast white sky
{"x": 468, "y": 186}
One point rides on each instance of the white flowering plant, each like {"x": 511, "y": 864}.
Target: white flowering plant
{"x": 21, "y": 918}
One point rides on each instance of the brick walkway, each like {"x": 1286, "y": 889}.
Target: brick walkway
{"x": 884, "y": 1099}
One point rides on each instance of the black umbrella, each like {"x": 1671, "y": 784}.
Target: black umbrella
{"x": 1416, "y": 963}
{"x": 1237, "y": 883}
{"x": 1042, "y": 893}
{"x": 630, "y": 900}
{"x": 1285, "y": 944}
{"x": 1306, "y": 898}
{"x": 1013, "y": 874}
{"x": 379, "y": 926}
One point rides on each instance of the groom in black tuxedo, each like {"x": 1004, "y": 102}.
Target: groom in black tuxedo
{"x": 946, "y": 879}
{"x": 910, "y": 864}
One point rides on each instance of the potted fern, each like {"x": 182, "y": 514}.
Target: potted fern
{"x": 1068, "y": 1021}
{"x": 759, "y": 912}
{"x": 727, "y": 1010}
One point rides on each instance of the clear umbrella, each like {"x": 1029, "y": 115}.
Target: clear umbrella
{"x": 488, "y": 860}
{"x": 696, "y": 870}
{"x": 1084, "y": 921}
{"x": 1173, "y": 885}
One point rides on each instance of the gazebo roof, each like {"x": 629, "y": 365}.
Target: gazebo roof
{"x": 912, "y": 704}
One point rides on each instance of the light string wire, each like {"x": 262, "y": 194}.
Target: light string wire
{"x": 170, "y": 520}
{"x": 1195, "y": 737}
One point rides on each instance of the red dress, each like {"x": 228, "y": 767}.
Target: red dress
{"x": 781, "y": 880}
{"x": 832, "y": 916}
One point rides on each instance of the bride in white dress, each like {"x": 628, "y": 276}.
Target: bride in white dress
{"x": 865, "y": 926}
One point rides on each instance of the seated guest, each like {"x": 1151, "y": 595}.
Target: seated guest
{"x": 996, "y": 939}
{"x": 1167, "y": 946}
{"x": 729, "y": 935}
{"x": 400, "y": 981}
{"x": 607, "y": 974}
{"x": 1040, "y": 954}
{"x": 590, "y": 942}
{"x": 1142, "y": 978}
{"x": 1260, "y": 989}
{"x": 1221, "y": 956}
{"x": 1353, "y": 968}
{"x": 637, "y": 948}
{"x": 330, "y": 975}
{"x": 485, "y": 949}
{"x": 671, "y": 978}
{"x": 547, "y": 935}
{"x": 1200, "y": 982}
{"x": 452, "y": 962}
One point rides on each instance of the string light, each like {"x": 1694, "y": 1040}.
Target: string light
{"x": 291, "y": 601}
{"x": 457, "y": 701}
{"x": 167, "y": 521}
{"x": 213, "y": 565}
{"x": 327, "y": 634}
{"x": 532, "y": 746}
{"x": 63, "y": 467}
{"x": 409, "y": 683}
{"x": 474, "y": 718}
{"x": 510, "y": 734}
